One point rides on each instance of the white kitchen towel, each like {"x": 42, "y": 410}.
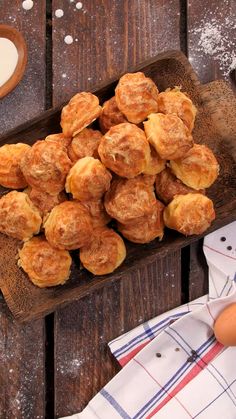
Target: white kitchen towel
{"x": 183, "y": 371}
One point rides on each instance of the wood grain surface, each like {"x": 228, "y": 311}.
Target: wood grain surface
{"x": 109, "y": 37}
{"x": 83, "y": 362}
{"x": 211, "y": 52}
{"x": 22, "y": 348}
{"x": 22, "y": 381}
{"x": 28, "y": 98}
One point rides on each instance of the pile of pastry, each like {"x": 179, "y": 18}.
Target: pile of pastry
{"x": 141, "y": 169}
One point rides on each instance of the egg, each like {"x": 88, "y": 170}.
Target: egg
{"x": 225, "y": 326}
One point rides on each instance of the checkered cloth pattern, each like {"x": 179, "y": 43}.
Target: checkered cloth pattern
{"x": 173, "y": 365}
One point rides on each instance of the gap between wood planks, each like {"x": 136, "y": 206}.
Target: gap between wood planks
{"x": 185, "y": 252}
{"x": 49, "y": 320}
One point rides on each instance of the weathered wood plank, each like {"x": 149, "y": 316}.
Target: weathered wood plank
{"x": 28, "y": 99}
{"x": 211, "y": 38}
{"x": 22, "y": 381}
{"x": 22, "y": 347}
{"x": 83, "y": 363}
{"x": 211, "y": 51}
{"x": 109, "y": 37}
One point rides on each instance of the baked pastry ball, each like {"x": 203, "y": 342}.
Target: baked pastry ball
{"x": 105, "y": 252}
{"x": 68, "y": 226}
{"x": 84, "y": 144}
{"x": 136, "y": 96}
{"x": 173, "y": 101}
{"x": 168, "y": 135}
{"x": 11, "y": 175}
{"x": 45, "y": 167}
{"x": 81, "y": 111}
{"x": 110, "y": 116}
{"x": 19, "y": 218}
{"x": 147, "y": 228}
{"x": 198, "y": 169}
{"x": 129, "y": 199}
{"x": 155, "y": 164}
{"x": 189, "y": 214}
{"x": 125, "y": 150}
{"x": 45, "y": 265}
{"x": 43, "y": 201}
{"x": 88, "y": 179}
{"x": 168, "y": 185}
{"x": 98, "y": 213}
{"x": 59, "y": 139}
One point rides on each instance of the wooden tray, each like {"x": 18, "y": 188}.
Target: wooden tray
{"x": 215, "y": 126}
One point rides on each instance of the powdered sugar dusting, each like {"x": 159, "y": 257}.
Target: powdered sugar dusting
{"x": 214, "y": 39}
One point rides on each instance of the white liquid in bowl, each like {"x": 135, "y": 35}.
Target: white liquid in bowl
{"x": 8, "y": 59}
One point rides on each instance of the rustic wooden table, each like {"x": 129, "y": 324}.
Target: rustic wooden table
{"x": 53, "y": 367}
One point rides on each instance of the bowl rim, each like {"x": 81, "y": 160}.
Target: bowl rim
{"x": 17, "y": 38}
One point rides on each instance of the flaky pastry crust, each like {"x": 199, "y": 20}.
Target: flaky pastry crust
{"x": 148, "y": 227}
{"x": 129, "y": 199}
{"x": 98, "y": 213}
{"x": 43, "y": 201}
{"x": 105, "y": 252}
{"x": 88, "y": 179}
{"x": 155, "y": 164}
{"x": 81, "y": 111}
{"x": 189, "y": 214}
{"x": 136, "y": 96}
{"x": 173, "y": 101}
{"x": 124, "y": 149}
{"x": 59, "y": 139}
{"x": 45, "y": 265}
{"x": 168, "y": 185}
{"x": 19, "y": 218}
{"x": 111, "y": 115}
{"x": 198, "y": 169}
{"x": 168, "y": 135}
{"x": 45, "y": 167}
{"x": 68, "y": 226}
{"x": 11, "y": 175}
{"x": 84, "y": 144}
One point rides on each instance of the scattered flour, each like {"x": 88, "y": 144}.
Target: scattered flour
{"x": 27, "y": 4}
{"x": 68, "y": 39}
{"x": 215, "y": 39}
{"x": 59, "y": 13}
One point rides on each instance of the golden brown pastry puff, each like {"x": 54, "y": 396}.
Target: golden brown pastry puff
{"x": 84, "y": 144}
{"x": 198, "y": 168}
{"x": 110, "y": 115}
{"x": 68, "y": 226}
{"x": 98, "y": 213}
{"x": 155, "y": 164}
{"x": 125, "y": 150}
{"x": 136, "y": 96}
{"x": 45, "y": 167}
{"x": 81, "y": 111}
{"x": 59, "y": 139}
{"x": 129, "y": 199}
{"x": 11, "y": 175}
{"x": 168, "y": 185}
{"x": 19, "y": 218}
{"x": 147, "y": 228}
{"x": 88, "y": 179}
{"x": 105, "y": 252}
{"x": 45, "y": 265}
{"x": 189, "y": 214}
{"x": 174, "y": 101}
{"x": 168, "y": 135}
{"x": 43, "y": 201}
